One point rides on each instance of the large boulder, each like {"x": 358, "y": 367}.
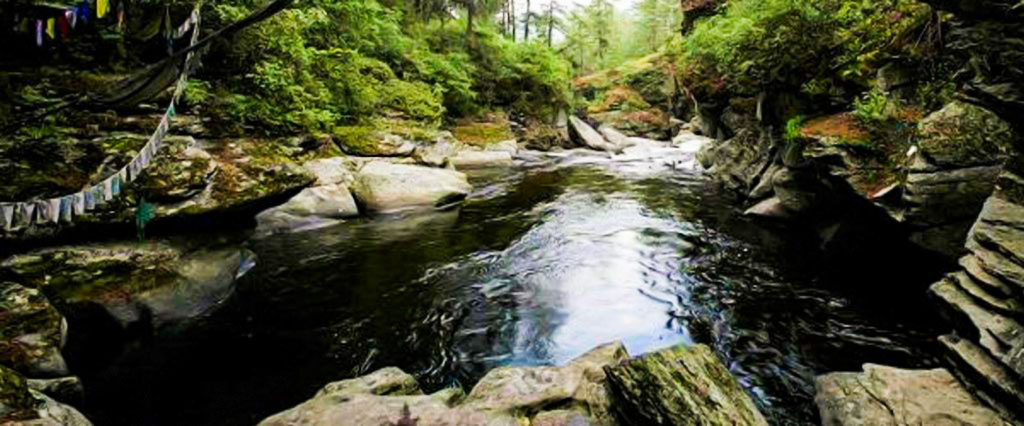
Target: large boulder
{"x": 21, "y": 405}
{"x": 324, "y": 203}
{"x": 961, "y": 149}
{"x": 149, "y": 286}
{"x": 616, "y": 137}
{"x": 889, "y": 396}
{"x": 32, "y": 332}
{"x": 506, "y": 396}
{"x": 385, "y": 187}
{"x": 739, "y": 163}
{"x": 681, "y": 386}
{"x": 589, "y": 137}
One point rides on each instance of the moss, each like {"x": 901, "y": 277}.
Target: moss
{"x": 357, "y": 140}
{"x": 16, "y": 402}
{"x": 966, "y": 134}
{"x": 484, "y": 132}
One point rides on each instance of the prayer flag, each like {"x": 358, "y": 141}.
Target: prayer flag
{"x": 115, "y": 185}
{"x": 97, "y": 194}
{"x": 43, "y": 213}
{"x": 102, "y": 7}
{"x": 90, "y": 200}
{"x": 66, "y": 205}
{"x": 124, "y": 175}
{"x": 39, "y": 32}
{"x": 23, "y": 215}
{"x": 72, "y": 15}
{"x": 79, "y": 204}
{"x": 7, "y": 216}
{"x": 108, "y": 189}
{"x": 54, "y": 210}
{"x": 51, "y": 27}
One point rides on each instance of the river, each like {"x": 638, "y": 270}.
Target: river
{"x": 542, "y": 263}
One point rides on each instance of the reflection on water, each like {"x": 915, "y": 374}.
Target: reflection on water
{"x": 540, "y": 265}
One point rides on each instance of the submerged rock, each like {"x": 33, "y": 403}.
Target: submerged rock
{"x": 385, "y": 187}
{"x": 148, "y": 285}
{"x": 889, "y": 396}
{"x": 681, "y": 386}
{"x": 21, "y": 405}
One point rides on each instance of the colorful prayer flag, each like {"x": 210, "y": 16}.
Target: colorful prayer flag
{"x": 102, "y": 6}
{"x": 125, "y": 178}
{"x": 51, "y": 27}
{"x": 90, "y": 200}
{"x": 39, "y": 32}
{"x": 115, "y": 185}
{"x": 66, "y": 206}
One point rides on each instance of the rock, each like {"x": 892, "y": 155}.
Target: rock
{"x": 740, "y": 162}
{"x": 962, "y": 135}
{"x": 989, "y": 379}
{"x": 387, "y": 381}
{"x": 312, "y": 208}
{"x": 331, "y": 171}
{"x": 997, "y": 333}
{"x": 798, "y": 190}
{"x": 681, "y": 386}
{"x": 377, "y": 144}
{"x": 438, "y": 153}
{"x": 889, "y": 396}
{"x": 616, "y": 138}
{"x": 21, "y": 405}
{"x": 690, "y": 142}
{"x": 32, "y": 332}
{"x": 509, "y": 146}
{"x": 384, "y": 187}
{"x": 770, "y": 208}
{"x": 68, "y": 390}
{"x": 589, "y": 137}
{"x": 506, "y": 396}
{"x": 481, "y": 159}
{"x": 142, "y": 286}
{"x": 697, "y": 126}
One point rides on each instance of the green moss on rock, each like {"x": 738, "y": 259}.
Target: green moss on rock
{"x": 965, "y": 135}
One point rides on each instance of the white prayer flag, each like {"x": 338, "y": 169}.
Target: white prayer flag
{"x": 43, "y": 212}
{"x": 79, "y": 204}
{"x": 54, "y": 210}
{"x": 7, "y": 216}
{"x": 108, "y": 189}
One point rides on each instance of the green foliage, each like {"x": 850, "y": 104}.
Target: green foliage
{"x": 326, "y": 63}
{"x": 809, "y": 45}
{"x": 794, "y": 128}
{"x": 873, "y": 107}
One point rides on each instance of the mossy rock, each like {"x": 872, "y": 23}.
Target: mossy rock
{"x": 651, "y": 124}
{"x": 964, "y": 135}
{"x": 31, "y": 332}
{"x": 16, "y": 401}
{"x": 681, "y": 386}
{"x": 483, "y": 133}
{"x": 134, "y": 282}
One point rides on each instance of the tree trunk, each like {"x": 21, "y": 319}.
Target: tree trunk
{"x": 526, "y": 31}
{"x": 470, "y": 13}
{"x": 551, "y": 21}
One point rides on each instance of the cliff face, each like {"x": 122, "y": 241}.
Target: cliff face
{"x": 953, "y": 183}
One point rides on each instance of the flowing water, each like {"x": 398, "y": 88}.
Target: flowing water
{"x": 540, "y": 265}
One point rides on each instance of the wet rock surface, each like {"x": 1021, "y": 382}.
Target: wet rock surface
{"x": 21, "y": 405}
{"x": 385, "y": 187}
{"x": 32, "y": 332}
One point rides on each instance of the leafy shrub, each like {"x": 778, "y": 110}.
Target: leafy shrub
{"x": 794, "y": 128}
{"x": 873, "y": 107}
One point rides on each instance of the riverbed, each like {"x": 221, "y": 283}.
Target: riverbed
{"x": 543, "y": 262}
